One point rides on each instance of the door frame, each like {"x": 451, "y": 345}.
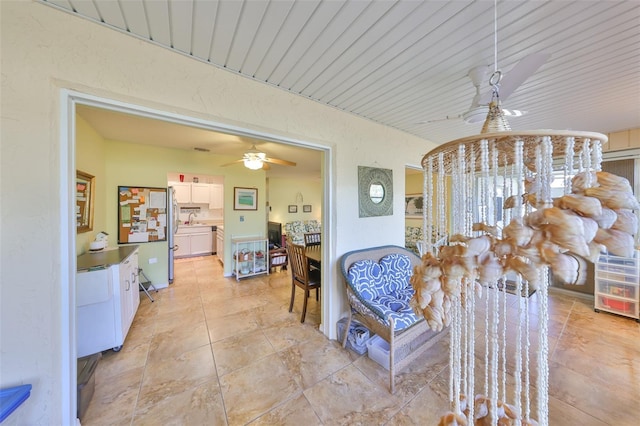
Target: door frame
{"x": 68, "y": 101}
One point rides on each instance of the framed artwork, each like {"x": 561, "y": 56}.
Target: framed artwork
{"x": 245, "y": 198}
{"x": 413, "y": 205}
{"x": 85, "y": 187}
{"x": 293, "y": 208}
{"x": 306, "y": 208}
{"x": 375, "y": 191}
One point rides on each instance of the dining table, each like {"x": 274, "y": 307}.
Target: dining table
{"x": 314, "y": 254}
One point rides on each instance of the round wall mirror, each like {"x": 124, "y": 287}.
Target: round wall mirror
{"x": 376, "y": 193}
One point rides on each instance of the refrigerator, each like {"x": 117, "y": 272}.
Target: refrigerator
{"x": 172, "y": 227}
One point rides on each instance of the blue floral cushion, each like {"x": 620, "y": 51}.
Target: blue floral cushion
{"x": 397, "y": 270}
{"x": 366, "y": 279}
{"x": 384, "y": 287}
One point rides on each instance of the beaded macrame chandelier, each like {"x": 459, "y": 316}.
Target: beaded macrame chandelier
{"x": 491, "y": 222}
{"x": 473, "y": 187}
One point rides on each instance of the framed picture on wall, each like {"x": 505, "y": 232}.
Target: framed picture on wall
{"x": 413, "y": 205}
{"x": 293, "y": 208}
{"x": 85, "y": 184}
{"x": 245, "y": 198}
{"x": 306, "y": 208}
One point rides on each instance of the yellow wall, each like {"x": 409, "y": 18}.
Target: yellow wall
{"x": 283, "y": 192}
{"x": 414, "y": 185}
{"x": 115, "y": 163}
{"x": 625, "y": 139}
{"x": 90, "y": 152}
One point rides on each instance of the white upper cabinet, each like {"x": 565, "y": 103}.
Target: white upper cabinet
{"x": 200, "y": 193}
{"x": 182, "y": 191}
{"x": 192, "y": 193}
{"x": 216, "y": 196}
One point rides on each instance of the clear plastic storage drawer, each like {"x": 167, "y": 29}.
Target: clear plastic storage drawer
{"x": 629, "y": 270}
{"x": 615, "y": 276}
{"x": 623, "y": 307}
{"x": 618, "y": 289}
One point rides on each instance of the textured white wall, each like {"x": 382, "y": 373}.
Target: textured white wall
{"x": 45, "y": 50}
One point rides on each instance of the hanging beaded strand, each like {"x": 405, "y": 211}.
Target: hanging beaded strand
{"x": 428, "y": 191}
{"x": 585, "y": 160}
{"x": 461, "y": 184}
{"x": 425, "y": 206}
{"x": 470, "y": 302}
{"x": 491, "y": 182}
{"x": 471, "y": 193}
{"x": 568, "y": 164}
{"x": 596, "y": 151}
{"x": 543, "y": 317}
{"x": 440, "y": 202}
{"x": 518, "y": 174}
{"x": 471, "y": 319}
{"x": 455, "y": 347}
{"x": 456, "y": 328}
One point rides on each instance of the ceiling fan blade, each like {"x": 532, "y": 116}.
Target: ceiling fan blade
{"x": 518, "y": 75}
{"x": 266, "y": 166}
{"x": 513, "y": 112}
{"x": 478, "y": 75}
{"x": 437, "y": 120}
{"x": 280, "y": 162}
{"x": 231, "y": 163}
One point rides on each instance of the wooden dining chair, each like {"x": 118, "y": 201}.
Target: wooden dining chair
{"x": 312, "y": 239}
{"x": 302, "y": 276}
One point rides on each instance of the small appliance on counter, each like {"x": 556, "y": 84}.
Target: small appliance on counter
{"x": 101, "y": 242}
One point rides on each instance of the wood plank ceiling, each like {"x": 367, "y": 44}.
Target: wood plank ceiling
{"x": 405, "y": 63}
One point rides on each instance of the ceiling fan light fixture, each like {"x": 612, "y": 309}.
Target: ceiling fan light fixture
{"x": 252, "y": 162}
{"x": 254, "y": 159}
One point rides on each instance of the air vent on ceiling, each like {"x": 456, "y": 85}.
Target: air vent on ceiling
{"x": 201, "y": 149}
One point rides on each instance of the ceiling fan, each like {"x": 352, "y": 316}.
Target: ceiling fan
{"x": 255, "y": 160}
{"x": 479, "y": 108}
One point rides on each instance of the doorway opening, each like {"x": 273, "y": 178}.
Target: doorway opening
{"x": 69, "y": 101}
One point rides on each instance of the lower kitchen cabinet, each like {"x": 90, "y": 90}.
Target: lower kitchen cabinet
{"x": 107, "y": 299}
{"x": 182, "y": 242}
{"x": 193, "y": 240}
{"x": 220, "y": 244}
{"x": 129, "y": 291}
{"x": 201, "y": 243}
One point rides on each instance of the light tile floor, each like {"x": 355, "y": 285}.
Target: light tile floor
{"x": 212, "y": 351}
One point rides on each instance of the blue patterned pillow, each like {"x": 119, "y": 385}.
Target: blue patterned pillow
{"x": 385, "y": 288}
{"x": 397, "y": 270}
{"x": 366, "y": 278}
{"x": 398, "y": 309}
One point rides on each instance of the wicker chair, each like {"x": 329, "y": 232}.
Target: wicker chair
{"x": 408, "y": 335}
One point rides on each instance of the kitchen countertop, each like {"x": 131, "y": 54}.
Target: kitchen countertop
{"x": 195, "y": 225}
{"x": 209, "y": 222}
{"x": 104, "y": 258}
